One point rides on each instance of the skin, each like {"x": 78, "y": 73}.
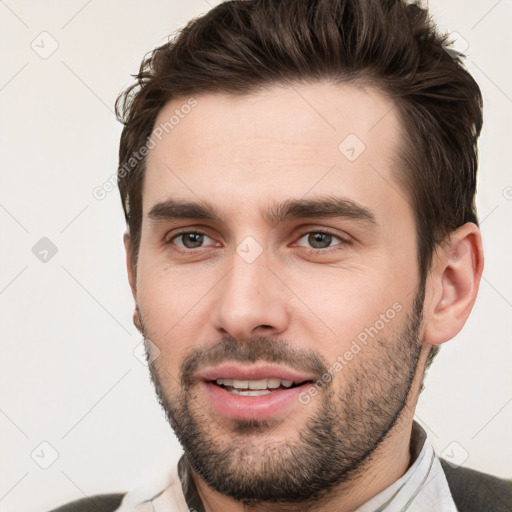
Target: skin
{"x": 242, "y": 154}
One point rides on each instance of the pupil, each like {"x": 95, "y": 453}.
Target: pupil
{"x": 319, "y": 240}
{"x": 192, "y": 240}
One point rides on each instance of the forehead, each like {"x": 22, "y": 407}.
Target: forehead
{"x": 241, "y": 150}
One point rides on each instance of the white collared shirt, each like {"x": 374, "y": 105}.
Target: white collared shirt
{"x": 423, "y": 488}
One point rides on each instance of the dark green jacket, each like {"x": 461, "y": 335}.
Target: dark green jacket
{"x": 472, "y": 491}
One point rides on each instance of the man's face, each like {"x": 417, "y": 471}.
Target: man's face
{"x": 297, "y": 266}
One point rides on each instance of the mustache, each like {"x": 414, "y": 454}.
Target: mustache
{"x": 262, "y": 349}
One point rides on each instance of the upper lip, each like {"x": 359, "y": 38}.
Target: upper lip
{"x": 238, "y": 371}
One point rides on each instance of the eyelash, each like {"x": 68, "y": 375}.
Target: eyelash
{"x": 343, "y": 242}
{"x": 309, "y": 250}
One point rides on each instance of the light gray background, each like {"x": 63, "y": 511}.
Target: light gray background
{"x": 68, "y": 373}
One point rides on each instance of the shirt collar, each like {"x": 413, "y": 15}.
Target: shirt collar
{"x": 408, "y": 493}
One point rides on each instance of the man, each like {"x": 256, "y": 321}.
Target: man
{"x": 298, "y": 180}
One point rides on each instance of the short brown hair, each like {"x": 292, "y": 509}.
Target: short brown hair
{"x": 241, "y": 46}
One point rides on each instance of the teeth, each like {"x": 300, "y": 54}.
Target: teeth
{"x": 251, "y": 392}
{"x": 225, "y": 382}
{"x": 273, "y": 383}
{"x": 258, "y": 385}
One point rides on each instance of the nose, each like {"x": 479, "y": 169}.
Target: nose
{"x": 251, "y": 301}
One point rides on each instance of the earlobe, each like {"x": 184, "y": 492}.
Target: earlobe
{"x": 452, "y": 285}
{"x": 136, "y": 319}
{"x": 129, "y": 264}
{"x": 132, "y": 280}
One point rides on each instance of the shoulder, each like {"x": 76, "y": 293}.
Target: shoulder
{"x": 474, "y": 491}
{"x": 99, "y": 503}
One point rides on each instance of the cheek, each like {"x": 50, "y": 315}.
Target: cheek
{"x": 346, "y": 305}
{"x": 170, "y": 309}
{"x": 165, "y": 292}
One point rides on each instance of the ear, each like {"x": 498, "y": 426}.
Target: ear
{"x": 132, "y": 279}
{"x": 452, "y": 284}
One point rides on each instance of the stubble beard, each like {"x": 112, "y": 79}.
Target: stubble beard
{"x": 343, "y": 428}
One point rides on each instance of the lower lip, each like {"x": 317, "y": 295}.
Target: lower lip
{"x": 252, "y": 407}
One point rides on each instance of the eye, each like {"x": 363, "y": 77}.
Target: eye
{"x": 318, "y": 240}
{"x": 190, "y": 239}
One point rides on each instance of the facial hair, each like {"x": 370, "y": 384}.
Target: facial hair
{"x": 353, "y": 415}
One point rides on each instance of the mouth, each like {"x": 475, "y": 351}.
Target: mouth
{"x": 258, "y": 387}
{"x": 254, "y": 392}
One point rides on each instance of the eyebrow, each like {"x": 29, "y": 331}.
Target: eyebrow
{"x": 328, "y": 206}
